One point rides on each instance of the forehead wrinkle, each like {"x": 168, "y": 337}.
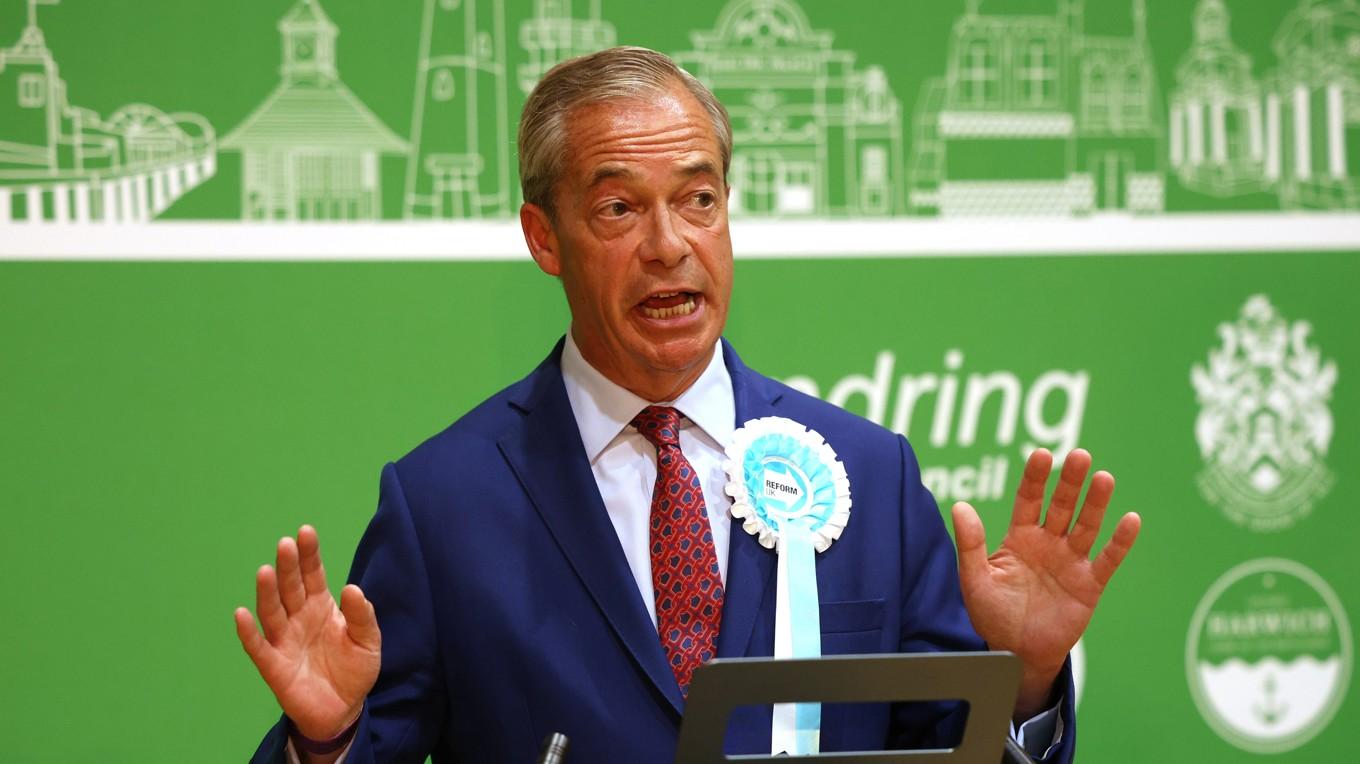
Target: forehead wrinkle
{"x": 607, "y": 148}
{"x": 613, "y": 168}
{"x": 623, "y": 129}
{"x": 616, "y": 142}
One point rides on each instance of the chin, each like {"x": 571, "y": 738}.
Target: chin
{"x": 680, "y": 354}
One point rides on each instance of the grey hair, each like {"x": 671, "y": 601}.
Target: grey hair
{"x": 614, "y": 74}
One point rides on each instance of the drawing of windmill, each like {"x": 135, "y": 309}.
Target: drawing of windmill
{"x": 61, "y": 163}
{"x": 312, "y": 150}
{"x": 814, "y": 134}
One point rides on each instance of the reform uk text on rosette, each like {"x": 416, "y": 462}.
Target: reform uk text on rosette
{"x": 790, "y": 492}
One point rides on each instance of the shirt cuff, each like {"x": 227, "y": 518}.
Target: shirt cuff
{"x": 1039, "y": 735}
{"x": 291, "y": 752}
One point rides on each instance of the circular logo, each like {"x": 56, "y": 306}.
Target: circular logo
{"x": 1268, "y": 656}
{"x": 782, "y": 474}
{"x": 785, "y": 489}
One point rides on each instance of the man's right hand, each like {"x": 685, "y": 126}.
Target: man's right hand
{"x": 319, "y": 659}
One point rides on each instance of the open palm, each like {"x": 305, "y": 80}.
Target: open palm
{"x": 320, "y": 660}
{"x": 1036, "y": 594}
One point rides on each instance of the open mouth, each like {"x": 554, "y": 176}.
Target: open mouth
{"x": 664, "y": 305}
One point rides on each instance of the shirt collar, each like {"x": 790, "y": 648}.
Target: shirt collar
{"x": 603, "y": 409}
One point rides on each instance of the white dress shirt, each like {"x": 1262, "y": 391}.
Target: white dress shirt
{"x": 624, "y": 462}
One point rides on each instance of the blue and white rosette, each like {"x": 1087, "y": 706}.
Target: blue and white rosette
{"x": 790, "y": 492}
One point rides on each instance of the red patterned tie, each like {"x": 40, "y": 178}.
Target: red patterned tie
{"x": 689, "y": 591}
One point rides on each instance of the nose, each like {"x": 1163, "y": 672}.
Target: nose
{"x": 664, "y": 242}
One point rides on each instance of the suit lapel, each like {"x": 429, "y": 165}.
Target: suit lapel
{"x": 547, "y": 457}
{"x": 749, "y": 565}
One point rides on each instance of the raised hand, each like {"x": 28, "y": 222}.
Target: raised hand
{"x": 1035, "y": 595}
{"x": 319, "y": 659}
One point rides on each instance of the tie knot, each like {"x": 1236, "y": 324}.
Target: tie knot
{"x": 659, "y": 424}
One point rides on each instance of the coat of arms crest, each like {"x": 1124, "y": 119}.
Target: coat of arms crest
{"x": 1264, "y": 425}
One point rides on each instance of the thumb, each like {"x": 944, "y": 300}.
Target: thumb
{"x": 360, "y": 620}
{"x": 971, "y": 539}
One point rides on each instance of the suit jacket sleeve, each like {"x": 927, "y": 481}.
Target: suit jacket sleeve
{"x": 404, "y": 715}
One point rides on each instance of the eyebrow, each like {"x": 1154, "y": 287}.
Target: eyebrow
{"x": 689, "y": 170}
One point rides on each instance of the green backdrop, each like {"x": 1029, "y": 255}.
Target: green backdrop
{"x": 164, "y": 422}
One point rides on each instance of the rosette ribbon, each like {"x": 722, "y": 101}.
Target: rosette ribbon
{"x": 791, "y": 493}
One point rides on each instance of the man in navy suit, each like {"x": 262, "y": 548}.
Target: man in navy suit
{"x": 515, "y": 578}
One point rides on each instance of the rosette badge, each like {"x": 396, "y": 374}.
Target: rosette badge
{"x": 790, "y": 492}
{"x": 784, "y": 479}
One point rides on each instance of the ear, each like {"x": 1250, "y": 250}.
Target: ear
{"x": 542, "y": 240}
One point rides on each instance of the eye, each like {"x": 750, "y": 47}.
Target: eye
{"x": 614, "y": 209}
{"x": 705, "y": 199}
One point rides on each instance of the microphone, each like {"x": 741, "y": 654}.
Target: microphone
{"x": 554, "y": 749}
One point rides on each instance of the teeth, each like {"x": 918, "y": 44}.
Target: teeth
{"x": 683, "y": 309}
{"x": 664, "y": 295}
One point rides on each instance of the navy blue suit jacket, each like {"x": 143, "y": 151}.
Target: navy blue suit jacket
{"x": 508, "y": 610}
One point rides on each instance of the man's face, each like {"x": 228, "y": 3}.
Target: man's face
{"x": 641, "y": 242}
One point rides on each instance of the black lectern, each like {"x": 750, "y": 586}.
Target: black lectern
{"x": 987, "y": 682}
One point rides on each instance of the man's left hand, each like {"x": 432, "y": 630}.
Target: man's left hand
{"x": 1035, "y": 595}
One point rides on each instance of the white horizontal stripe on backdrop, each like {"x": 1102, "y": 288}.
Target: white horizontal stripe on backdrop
{"x": 1175, "y": 233}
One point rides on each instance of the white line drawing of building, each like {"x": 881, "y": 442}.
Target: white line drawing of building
{"x": 813, "y": 134}
{"x": 1036, "y": 116}
{"x": 1312, "y": 107}
{"x": 1121, "y": 130}
{"x": 312, "y": 149}
{"x": 553, "y": 35}
{"x": 61, "y": 163}
{"x": 1295, "y": 133}
{"x": 1217, "y": 131}
{"x": 459, "y": 164}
